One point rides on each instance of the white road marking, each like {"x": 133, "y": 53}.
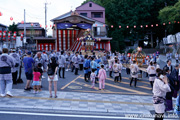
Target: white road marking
{"x": 77, "y": 116}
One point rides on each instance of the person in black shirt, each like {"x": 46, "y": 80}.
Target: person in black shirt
{"x": 52, "y": 76}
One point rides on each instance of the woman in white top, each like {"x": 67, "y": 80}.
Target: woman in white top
{"x": 134, "y": 72}
{"x": 151, "y": 70}
{"x": 160, "y": 89}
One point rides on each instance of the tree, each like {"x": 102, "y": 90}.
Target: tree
{"x": 130, "y": 13}
{"x": 13, "y": 28}
{"x": 171, "y": 14}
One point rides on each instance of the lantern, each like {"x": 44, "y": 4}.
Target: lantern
{"x": 141, "y": 26}
{"x": 96, "y": 25}
{"x": 99, "y": 39}
{"x": 127, "y": 26}
{"x": 156, "y": 25}
{"x": 119, "y": 26}
{"x": 0, "y": 13}
{"x": 11, "y": 18}
{"x": 151, "y": 25}
{"x": 77, "y": 39}
{"x": 4, "y": 35}
{"x": 22, "y": 22}
{"x": 174, "y": 21}
{"x": 134, "y": 26}
{"x": 146, "y": 25}
{"x": 14, "y": 36}
{"x": 112, "y": 26}
{"x": 46, "y": 26}
{"x": 54, "y": 25}
{"x": 104, "y": 25}
{"x": 9, "y": 36}
{"x": 169, "y": 22}
{"x": 31, "y": 24}
{"x": 40, "y": 25}
{"x": 21, "y": 36}
{"x": 164, "y": 23}
{"x": 50, "y": 26}
{"x": 178, "y": 22}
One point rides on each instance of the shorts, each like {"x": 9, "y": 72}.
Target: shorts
{"x": 55, "y": 78}
{"x": 29, "y": 76}
{"x": 35, "y": 83}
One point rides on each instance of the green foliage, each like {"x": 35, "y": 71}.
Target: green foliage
{"x": 13, "y": 28}
{"x": 130, "y": 50}
{"x": 130, "y": 13}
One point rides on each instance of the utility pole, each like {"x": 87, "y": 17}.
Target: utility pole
{"x": 24, "y": 28}
{"x": 45, "y": 19}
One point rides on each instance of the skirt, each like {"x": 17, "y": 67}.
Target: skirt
{"x": 55, "y": 78}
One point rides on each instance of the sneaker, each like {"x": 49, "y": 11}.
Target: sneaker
{"x": 3, "y": 95}
{"x": 30, "y": 88}
{"x": 27, "y": 89}
{"x": 9, "y": 94}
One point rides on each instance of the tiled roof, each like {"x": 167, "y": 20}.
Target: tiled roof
{"x": 3, "y": 25}
{"x": 36, "y": 25}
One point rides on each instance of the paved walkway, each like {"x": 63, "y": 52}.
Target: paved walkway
{"x": 79, "y": 102}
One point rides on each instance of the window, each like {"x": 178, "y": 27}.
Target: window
{"x": 90, "y": 4}
{"x": 97, "y": 14}
{"x": 83, "y": 14}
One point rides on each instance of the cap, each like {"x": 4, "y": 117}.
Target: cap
{"x": 29, "y": 53}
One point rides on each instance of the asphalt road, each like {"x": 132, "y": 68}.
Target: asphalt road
{"x": 76, "y": 83}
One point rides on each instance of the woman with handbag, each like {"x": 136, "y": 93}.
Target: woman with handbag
{"x": 52, "y": 76}
{"x": 134, "y": 73}
{"x": 160, "y": 88}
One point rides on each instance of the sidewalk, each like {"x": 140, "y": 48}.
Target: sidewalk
{"x": 79, "y": 102}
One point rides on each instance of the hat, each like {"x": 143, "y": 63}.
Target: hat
{"x": 176, "y": 65}
{"x": 29, "y": 53}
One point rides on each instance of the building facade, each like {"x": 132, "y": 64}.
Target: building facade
{"x": 70, "y": 26}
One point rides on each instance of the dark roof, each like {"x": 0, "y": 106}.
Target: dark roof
{"x": 3, "y": 25}
{"x": 88, "y": 2}
{"x": 36, "y": 26}
{"x": 68, "y": 14}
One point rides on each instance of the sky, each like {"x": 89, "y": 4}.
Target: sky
{"x": 35, "y": 10}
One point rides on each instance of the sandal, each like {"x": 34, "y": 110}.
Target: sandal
{"x": 55, "y": 96}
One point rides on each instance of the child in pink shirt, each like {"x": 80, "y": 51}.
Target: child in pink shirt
{"x": 36, "y": 78}
{"x": 102, "y": 76}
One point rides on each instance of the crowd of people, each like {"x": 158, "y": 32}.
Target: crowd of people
{"x": 165, "y": 82}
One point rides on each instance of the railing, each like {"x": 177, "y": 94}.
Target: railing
{"x": 100, "y": 34}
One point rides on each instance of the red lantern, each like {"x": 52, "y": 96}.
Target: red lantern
{"x": 46, "y": 26}
{"x": 174, "y": 21}
{"x": 9, "y": 36}
{"x": 112, "y": 26}
{"x": 178, "y": 22}
{"x": 119, "y": 26}
{"x": 146, "y": 25}
{"x": 0, "y": 34}
{"x": 156, "y": 25}
{"x": 11, "y": 18}
{"x": 77, "y": 39}
{"x": 0, "y": 13}
{"x": 31, "y": 24}
{"x": 169, "y": 22}
{"x": 141, "y": 26}
{"x": 96, "y": 25}
{"x": 104, "y": 25}
{"x": 134, "y": 26}
{"x": 40, "y": 25}
{"x": 50, "y": 26}
{"x": 151, "y": 25}
{"x": 99, "y": 39}
{"x": 127, "y": 26}
{"x": 22, "y": 36}
{"x": 22, "y": 22}
{"x": 4, "y": 35}
{"x": 14, "y": 36}
{"x": 164, "y": 23}
{"x": 54, "y": 25}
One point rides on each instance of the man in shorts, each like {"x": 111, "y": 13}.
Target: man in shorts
{"x": 28, "y": 66}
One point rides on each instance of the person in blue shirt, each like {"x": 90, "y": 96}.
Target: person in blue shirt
{"x": 28, "y": 66}
{"x": 86, "y": 66}
{"x": 177, "y": 106}
{"x": 98, "y": 60}
{"x": 89, "y": 70}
